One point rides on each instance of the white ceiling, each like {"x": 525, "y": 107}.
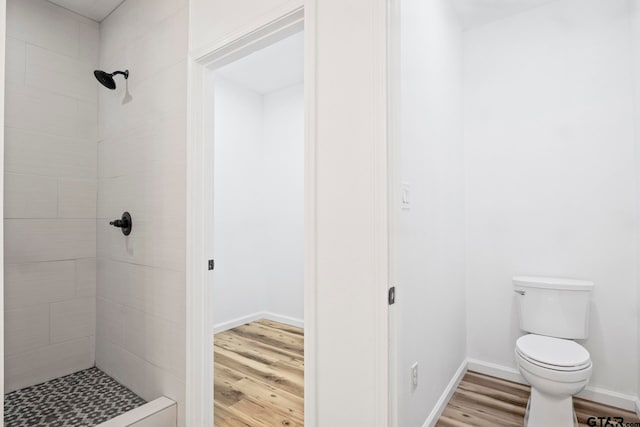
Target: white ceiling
{"x": 93, "y": 9}
{"x": 477, "y": 12}
{"x": 275, "y": 67}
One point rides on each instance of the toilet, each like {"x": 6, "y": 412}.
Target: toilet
{"x": 553, "y": 312}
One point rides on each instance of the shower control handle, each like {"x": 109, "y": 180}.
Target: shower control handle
{"x": 124, "y": 223}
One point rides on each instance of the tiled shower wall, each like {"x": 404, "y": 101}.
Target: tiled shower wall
{"x": 140, "y": 338}
{"x": 50, "y": 192}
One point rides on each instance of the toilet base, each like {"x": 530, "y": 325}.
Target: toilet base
{"x": 544, "y": 411}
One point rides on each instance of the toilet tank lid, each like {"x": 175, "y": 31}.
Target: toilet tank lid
{"x": 553, "y": 283}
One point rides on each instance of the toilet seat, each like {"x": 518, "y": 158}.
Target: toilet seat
{"x": 553, "y": 367}
{"x": 555, "y": 375}
{"x": 553, "y": 353}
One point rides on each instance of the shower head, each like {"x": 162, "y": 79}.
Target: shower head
{"x": 106, "y": 79}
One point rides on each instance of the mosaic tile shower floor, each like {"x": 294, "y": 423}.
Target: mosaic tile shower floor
{"x": 83, "y": 399}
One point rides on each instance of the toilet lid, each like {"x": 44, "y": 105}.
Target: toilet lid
{"x": 552, "y": 351}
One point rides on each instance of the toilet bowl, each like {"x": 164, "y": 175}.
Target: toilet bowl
{"x": 554, "y": 311}
{"x": 556, "y": 369}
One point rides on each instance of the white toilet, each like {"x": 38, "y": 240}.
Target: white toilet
{"x": 554, "y": 312}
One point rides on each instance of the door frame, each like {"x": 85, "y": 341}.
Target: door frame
{"x": 200, "y": 156}
{"x": 393, "y": 191}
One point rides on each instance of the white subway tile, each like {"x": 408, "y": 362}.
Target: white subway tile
{"x": 168, "y": 291}
{"x": 15, "y": 61}
{"x": 72, "y": 77}
{"x": 77, "y": 198}
{"x": 74, "y": 318}
{"x": 150, "y": 149}
{"x": 38, "y": 110}
{"x": 155, "y": 291}
{"x": 134, "y": 290}
{"x": 162, "y": 46}
{"x": 30, "y": 240}
{"x": 86, "y": 272}
{"x": 133, "y": 19}
{"x": 30, "y": 196}
{"x": 43, "y": 24}
{"x": 89, "y": 43}
{"x": 111, "y": 278}
{"x": 26, "y": 328}
{"x": 29, "y": 152}
{"x": 129, "y": 369}
{"x": 46, "y": 363}
{"x": 136, "y": 333}
{"x": 163, "y": 383}
{"x": 165, "y": 344}
{"x": 156, "y": 340}
{"x": 170, "y": 249}
{"x": 148, "y": 105}
{"x": 107, "y": 358}
{"x": 109, "y": 321}
{"x": 38, "y": 283}
{"x": 133, "y": 193}
{"x": 136, "y": 248}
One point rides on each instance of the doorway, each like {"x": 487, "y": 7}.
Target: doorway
{"x": 258, "y": 237}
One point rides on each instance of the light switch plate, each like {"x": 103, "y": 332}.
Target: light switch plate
{"x": 405, "y": 196}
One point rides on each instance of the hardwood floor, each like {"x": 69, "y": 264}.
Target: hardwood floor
{"x": 259, "y": 376}
{"x": 484, "y": 401}
{"x": 259, "y": 382}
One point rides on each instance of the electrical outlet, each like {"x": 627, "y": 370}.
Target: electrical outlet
{"x": 414, "y": 375}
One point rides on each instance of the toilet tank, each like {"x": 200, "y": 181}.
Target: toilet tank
{"x": 554, "y": 307}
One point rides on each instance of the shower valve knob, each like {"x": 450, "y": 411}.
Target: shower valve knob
{"x": 124, "y": 223}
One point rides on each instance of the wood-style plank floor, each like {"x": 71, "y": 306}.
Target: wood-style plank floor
{"x": 484, "y": 401}
{"x": 259, "y": 376}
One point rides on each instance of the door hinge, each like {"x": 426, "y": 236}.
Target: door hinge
{"x": 392, "y": 295}
{"x": 211, "y": 264}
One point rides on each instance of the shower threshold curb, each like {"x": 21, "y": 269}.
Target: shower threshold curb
{"x": 160, "y": 412}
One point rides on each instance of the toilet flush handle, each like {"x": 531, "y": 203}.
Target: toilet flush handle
{"x": 519, "y": 291}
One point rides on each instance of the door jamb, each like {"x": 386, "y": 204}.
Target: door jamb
{"x": 200, "y": 152}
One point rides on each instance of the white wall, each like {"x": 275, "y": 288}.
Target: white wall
{"x": 3, "y": 27}
{"x": 258, "y": 195}
{"x": 239, "y": 289}
{"x": 348, "y": 346}
{"x": 284, "y": 200}
{"x": 430, "y": 235}
{"x": 142, "y": 169}
{"x": 230, "y": 18}
{"x": 551, "y": 175}
{"x": 349, "y": 65}
{"x": 635, "y": 36}
{"x": 50, "y": 192}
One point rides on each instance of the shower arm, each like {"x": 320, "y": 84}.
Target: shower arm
{"x": 124, "y": 73}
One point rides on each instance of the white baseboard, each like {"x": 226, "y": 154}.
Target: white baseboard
{"x": 607, "y": 397}
{"x": 291, "y": 321}
{"x": 441, "y": 404}
{"x": 230, "y": 324}
{"x": 495, "y": 370}
{"x": 638, "y": 407}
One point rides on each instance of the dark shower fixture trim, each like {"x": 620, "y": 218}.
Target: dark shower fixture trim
{"x": 124, "y": 222}
{"x": 106, "y": 79}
